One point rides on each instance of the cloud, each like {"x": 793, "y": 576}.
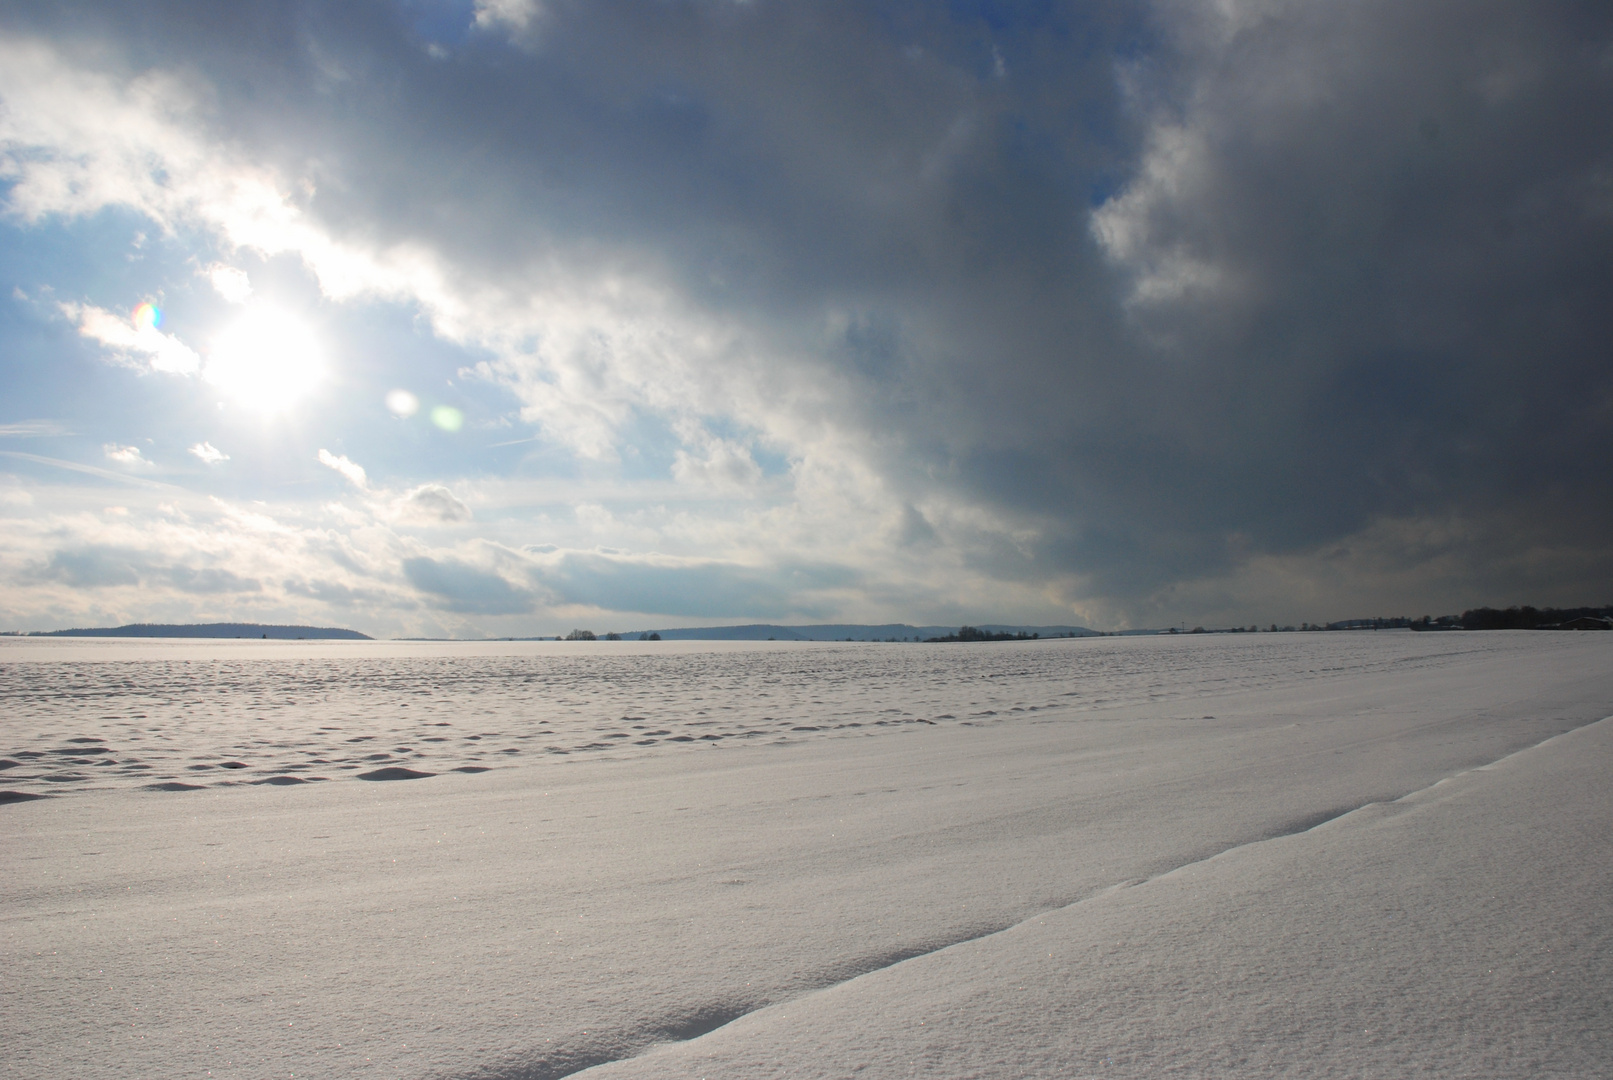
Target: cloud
{"x": 90, "y": 470}
{"x": 353, "y": 472}
{"x": 338, "y": 595}
{"x": 720, "y": 463}
{"x": 433, "y": 503}
{"x": 176, "y": 557}
{"x": 686, "y": 587}
{"x": 78, "y": 140}
{"x": 94, "y": 568}
{"x": 207, "y": 453}
{"x": 458, "y": 586}
{"x": 1137, "y": 302}
{"x": 143, "y": 347}
{"x": 124, "y": 455}
{"x": 33, "y": 429}
{"x": 912, "y": 527}
{"x": 210, "y": 580}
{"x": 230, "y": 283}
{"x": 513, "y": 14}
{"x": 104, "y": 566}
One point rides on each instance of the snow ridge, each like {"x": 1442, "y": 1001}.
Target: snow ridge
{"x": 559, "y": 1066}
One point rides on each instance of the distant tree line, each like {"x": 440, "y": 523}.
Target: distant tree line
{"x": 1513, "y": 618}
{"x": 1370, "y": 624}
{"x": 204, "y": 630}
{"x": 1521, "y": 618}
{"x": 974, "y": 633}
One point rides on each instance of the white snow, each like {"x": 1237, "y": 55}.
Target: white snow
{"x": 1133, "y": 882}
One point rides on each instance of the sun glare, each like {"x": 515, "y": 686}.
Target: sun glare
{"x": 402, "y": 403}
{"x": 266, "y": 360}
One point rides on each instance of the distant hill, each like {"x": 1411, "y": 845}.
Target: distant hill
{"x": 211, "y": 630}
{"x": 842, "y": 631}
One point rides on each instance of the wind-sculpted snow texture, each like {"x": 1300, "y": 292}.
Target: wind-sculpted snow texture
{"x": 1459, "y": 931}
{"x": 94, "y": 714}
{"x": 1329, "y": 855}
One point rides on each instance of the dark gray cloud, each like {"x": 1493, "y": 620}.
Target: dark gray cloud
{"x": 207, "y": 579}
{"x": 101, "y": 566}
{"x": 434, "y": 503}
{"x": 94, "y": 567}
{"x": 338, "y": 595}
{"x": 460, "y": 587}
{"x": 1161, "y": 289}
{"x": 1402, "y": 216}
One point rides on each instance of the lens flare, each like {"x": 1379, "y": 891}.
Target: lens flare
{"x": 402, "y": 403}
{"x": 448, "y": 418}
{"x": 266, "y": 360}
{"x": 147, "y": 316}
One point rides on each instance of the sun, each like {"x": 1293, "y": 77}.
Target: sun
{"x": 266, "y": 360}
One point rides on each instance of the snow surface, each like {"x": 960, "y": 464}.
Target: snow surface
{"x": 1329, "y": 855}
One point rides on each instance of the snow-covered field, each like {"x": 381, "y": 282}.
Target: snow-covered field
{"x": 1324, "y": 855}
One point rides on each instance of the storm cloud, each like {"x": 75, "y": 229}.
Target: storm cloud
{"x": 1117, "y": 313}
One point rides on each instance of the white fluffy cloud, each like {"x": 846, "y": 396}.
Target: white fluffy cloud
{"x": 350, "y": 470}
{"x": 124, "y": 455}
{"x": 514, "y": 14}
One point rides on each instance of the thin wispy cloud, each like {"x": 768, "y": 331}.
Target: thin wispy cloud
{"x": 34, "y": 429}
{"x": 88, "y": 470}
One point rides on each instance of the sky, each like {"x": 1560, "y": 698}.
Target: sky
{"x": 506, "y": 317}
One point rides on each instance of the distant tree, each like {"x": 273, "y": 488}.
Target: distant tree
{"x": 613, "y": 636}
{"x": 1523, "y": 618}
{"x": 581, "y": 635}
{"x": 974, "y": 633}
